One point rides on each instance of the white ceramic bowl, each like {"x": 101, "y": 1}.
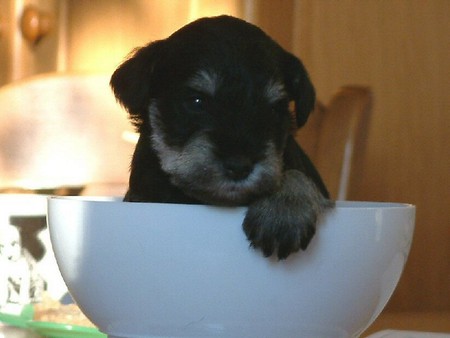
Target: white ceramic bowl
{"x": 168, "y": 270}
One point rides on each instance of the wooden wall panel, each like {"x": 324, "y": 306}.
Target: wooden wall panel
{"x": 274, "y": 17}
{"x": 401, "y": 50}
{"x": 6, "y": 24}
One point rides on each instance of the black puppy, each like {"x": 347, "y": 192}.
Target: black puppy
{"x": 212, "y": 106}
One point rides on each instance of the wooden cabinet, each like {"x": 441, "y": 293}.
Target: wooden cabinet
{"x": 19, "y": 57}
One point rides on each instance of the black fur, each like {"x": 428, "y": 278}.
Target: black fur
{"x": 211, "y": 104}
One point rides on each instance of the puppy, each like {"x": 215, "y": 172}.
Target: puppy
{"x": 212, "y": 106}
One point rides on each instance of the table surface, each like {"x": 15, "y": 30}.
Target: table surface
{"x": 411, "y": 321}
{"x": 408, "y": 321}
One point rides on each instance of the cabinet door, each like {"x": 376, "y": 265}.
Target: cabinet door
{"x": 5, "y": 40}
{"x": 20, "y": 57}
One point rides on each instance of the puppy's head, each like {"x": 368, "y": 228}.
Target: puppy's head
{"x": 212, "y": 101}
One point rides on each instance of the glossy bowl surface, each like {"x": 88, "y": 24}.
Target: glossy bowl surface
{"x": 170, "y": 270}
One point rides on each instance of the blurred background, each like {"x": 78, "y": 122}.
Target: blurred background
{"x": 400, "y": 49}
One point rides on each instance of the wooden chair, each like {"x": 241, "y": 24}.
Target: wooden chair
{"x": 335, "y": 135}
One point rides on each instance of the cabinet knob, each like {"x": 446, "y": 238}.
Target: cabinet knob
{"x": 35, "y": 24}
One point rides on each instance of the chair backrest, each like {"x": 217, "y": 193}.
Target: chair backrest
{"x": 62, "y": 130}
{"x": 335, "y": 137}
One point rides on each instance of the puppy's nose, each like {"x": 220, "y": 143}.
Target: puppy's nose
{"x": 237, "y": 168}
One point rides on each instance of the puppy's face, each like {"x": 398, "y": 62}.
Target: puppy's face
{"x": 212, "y": 101}
{"x": 219, "y": 141}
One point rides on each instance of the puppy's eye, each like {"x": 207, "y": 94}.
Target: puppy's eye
{"x": 196, "y": 104}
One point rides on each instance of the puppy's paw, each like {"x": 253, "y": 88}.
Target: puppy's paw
{"x": 285, "y": 221}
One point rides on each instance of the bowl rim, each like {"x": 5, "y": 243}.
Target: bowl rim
{"x": 339, "y": 204}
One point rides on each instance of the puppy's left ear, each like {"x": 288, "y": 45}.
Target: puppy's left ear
{"x": 133, "y": 82}
{"x": 299, "y": 88}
